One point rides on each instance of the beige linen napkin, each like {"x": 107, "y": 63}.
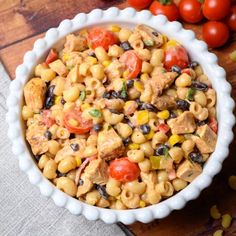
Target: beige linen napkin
{"x": 23, "y": 210}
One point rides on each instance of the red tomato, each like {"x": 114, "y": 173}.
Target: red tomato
{"x": 132, "y": 62}
{"x": 215, "y": 33}
{"x": 52, "y": 56}
{"x": 165, "y": 7}
{"x": 213, "y": 124}
{"x": 139, "y": 4}
{"x": 163, "y": 127}
{"x": 231, "y": 20}
{"x": 124, "y": 170}
{"x": 175, "y": 54}
{"x": 101, "y": 37}
{"x": 48, "y": 120}
{"x": 81, "y": 126}
{"x": 191, "y": 10}
{"x": 216, "y": 9}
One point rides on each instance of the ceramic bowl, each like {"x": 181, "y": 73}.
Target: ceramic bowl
{"x": 128, "y": 17}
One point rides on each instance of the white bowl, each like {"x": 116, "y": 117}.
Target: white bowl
{"x": 129, "y": 17}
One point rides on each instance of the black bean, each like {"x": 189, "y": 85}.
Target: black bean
{"x": 48, "y": 135}
{"x": 145, "y": 129}
{"x": 193, "y": 64}
{"x": 49, "y": 102}
{"x": 155, "y": 33}
{"x": 106, "y": 95}
{"x": 123, "y": 95}
{"x": 183, "y": 105}
{"x": 97, "y": 127}
{"x": 81, "y": 182}
{"x": 139, "y": 102}
{"x": 126, "y": 141}
{"x": 37, "y": 157}
{"x": 201, "y": 123}
{"x": 199, "y": 85}
{"x": 72, "y": 136}
{"x": 50, "y": 91}
{"x": 92, "y": 54}
{"x": 176, "y": 69}
{"x": 172, "y": 115}
{"x": 114, "y": 94}
{"x": 101, "y": 189}
{"x": 149, "y": 107}
{"x": 196, "y": 157}
{"x": 125, "y": 46}
{"x": 63, "y": 101}
{"x": 130, "y": 83}
{"x": 126, "y": 119}
{"x": 162, "y": 150}
{"x": 74, "y": 147}
{"x": 114, "y": 111}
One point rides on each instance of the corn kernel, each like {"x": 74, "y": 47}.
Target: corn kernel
{"x": 232, "y": 56}
{"x": 115, "y": 28}
{"x": 142, "y": 117}
{"x": 65, "y": 57}
{"x": 142, "y": 203}
{"x": 218, "y": 232}
{"x": 144, "y": 77}
{"x": 163, "y": 114}
{"x": 138, "y": 85}
{"x": 226, "y": 220}
{"x": 232, "y": 182}
{"x": 91, "y": 60}
{"x": 84, "y": 106}
{"x": 175, "y": 138}
{"x": 58, "y": 99}
{"x": 73, "y": 122}
{"x": 78, "y": 161}
{"x": 149, "y": 135}
{"x": 106, "y": 63}
{"x": 126, "y": 74}
{"x": 133, "y": 146}
{"x": 214, "y": 212}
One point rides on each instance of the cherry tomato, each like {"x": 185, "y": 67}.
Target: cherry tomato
{"x": 48, "y": 120}
{"x": 231, "y": 20}
{"x": 213, "y": 124}
{"x": 163, "y": 127}
{"x": 175, "y": 54}
{"x": 165, "y": 7}
{"x": 52, "y": 56}
{"x": 216, "y": 9}
{"x": 124, "y": 170}
{"x": 215, "y": 33}
{"x": 191, "y": 10}
{"x": 139, "y": 4}
{"x": 101, "y": 37}
{"x": 132, "y": 62}
{"x": 75, "y": 124}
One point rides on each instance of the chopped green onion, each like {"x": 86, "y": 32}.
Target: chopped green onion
{"x": 123, "y": 92}
{"x": 82, "y": 95}
{"x": 190, "y": 94}
{"x": 148, "y": 42}
{"x": 95, "y": 113}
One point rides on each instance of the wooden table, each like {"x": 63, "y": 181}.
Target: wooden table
{"x": 23, "y": 21}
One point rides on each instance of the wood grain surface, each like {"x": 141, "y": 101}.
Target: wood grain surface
{"x": 23, "y": 21}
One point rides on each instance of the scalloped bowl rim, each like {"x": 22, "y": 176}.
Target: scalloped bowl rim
{"x": 197, "y": 49}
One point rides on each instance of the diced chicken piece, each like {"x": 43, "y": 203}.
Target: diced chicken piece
{"x": 206, "y": 139}
{"x": 75, "y": 43}
{"x": 149, "y": 35}
{"x": 164, "y": 102}
{"x": 115, "y": 70}
{"x": 97, "y": 171}
{"x": 188, "y": 171}
{"x": 34, "y": 93}
{"x": 162, "y": 81}
{"x": 67, "y": 150}
{"x": 183, "y": 124}
{"x": 109, "y": 145}
{"x": 150, "y": 178}
{"x": 85, "y": 187}
{"x": 59, "y": 67}
{"x": 37, "y": 140}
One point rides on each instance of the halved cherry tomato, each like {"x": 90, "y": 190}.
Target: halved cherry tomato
{"x": 48, "y": 120}
{"x": 191, "y": 10}
{"x": 175, "y": 54}
{"x": 132, "y": 62}
{"x": 216, "y": 9}
{"x": 52, "y": 56}
{"x": 163, "y": 127}
{"x": 231, "y": 20}
{"x": 165, "y": 7}
{"x": 139, "y": 4}
{"x": 101, "y": 37}
{"x": 215, "y": 33}
{"x": 124, "y": 170}
{"x": 75, "y": 124}
{"x": 213, "y": 124}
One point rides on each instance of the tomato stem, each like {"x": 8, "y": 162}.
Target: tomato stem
{"x": 165, "y": 2}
